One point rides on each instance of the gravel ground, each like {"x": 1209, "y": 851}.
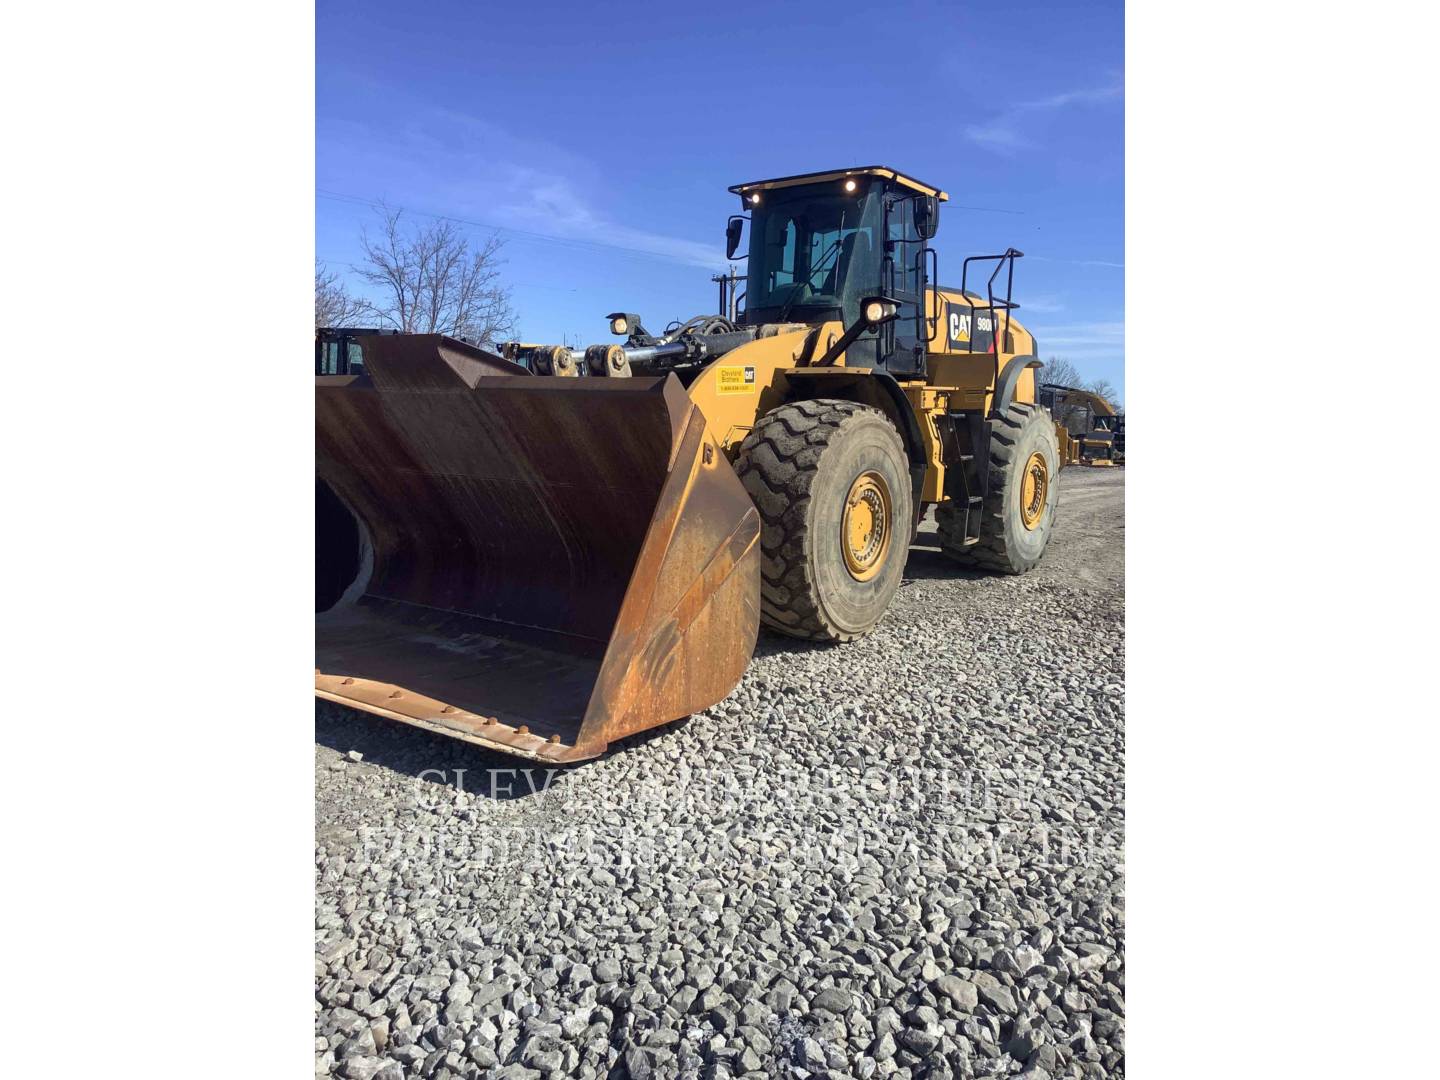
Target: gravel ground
{"x": 901, "y": 857}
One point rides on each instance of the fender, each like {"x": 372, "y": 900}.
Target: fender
{"x": 1005, "y": 385}
{"x": 884, "y": 394}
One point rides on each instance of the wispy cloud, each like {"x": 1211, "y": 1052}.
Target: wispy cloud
{"x": 1081, "y": 340}
{"x": 999, "y": 134}
{"x": 1078, "y": 262}
{"x": 556, "y": 205}
{"x": 446, "y": 161}
{"x": 1005, "y": 132}
{"x": 1043, "y": 305}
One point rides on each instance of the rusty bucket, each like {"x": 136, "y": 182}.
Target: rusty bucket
{"x": 536, "y": 564}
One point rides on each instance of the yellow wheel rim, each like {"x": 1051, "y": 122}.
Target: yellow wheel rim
{"x": 865, "y": 527}
{"x": 1034, "y": 487}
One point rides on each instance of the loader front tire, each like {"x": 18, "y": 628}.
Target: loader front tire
{"x": 832, "y": 483}
{"x": 1018, "y": 514}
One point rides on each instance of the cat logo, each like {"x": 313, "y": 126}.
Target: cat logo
{"x": 735, "y": 380}
{"x": 969, "y": 329}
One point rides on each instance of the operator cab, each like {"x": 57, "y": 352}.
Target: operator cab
{"x": 338, "y": 350}
{"x": 821, "y": 242}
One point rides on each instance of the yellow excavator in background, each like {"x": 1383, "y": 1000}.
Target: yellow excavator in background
{"x": 1088, "y": 429}
{"x": 543, "y": 564}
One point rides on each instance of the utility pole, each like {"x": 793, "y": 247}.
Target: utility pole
{"x": 728, "y": 285}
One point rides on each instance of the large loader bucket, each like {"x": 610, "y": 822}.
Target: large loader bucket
{"x": 536, "y": 564}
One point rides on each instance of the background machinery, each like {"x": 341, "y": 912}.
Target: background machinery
{"x": 543, "y": 564}
{"x": 1087, "y": 427}
{"x": 338, "y": 350}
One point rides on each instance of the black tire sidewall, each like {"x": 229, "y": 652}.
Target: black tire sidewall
{"x": 1026, "y": 546}
{"x": 869, "y": 443}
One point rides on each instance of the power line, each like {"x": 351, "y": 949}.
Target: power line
{"x": 986, "y": 209}
{"x": 335, "y": 261}
{"x": 568, "y": 241}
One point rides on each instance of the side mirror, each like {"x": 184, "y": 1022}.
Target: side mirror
{"x": 734, "y": 229}
{"x": 927, "y": 216}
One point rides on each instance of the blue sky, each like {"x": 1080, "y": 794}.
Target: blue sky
{"x": 583, "y": 129}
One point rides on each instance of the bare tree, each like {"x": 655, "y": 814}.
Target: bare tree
{"x": 431, "y": 281}
{"x": 1105, "y": 389}
{"x": 334, "y": 306}
{"x": 1061, "y": 372}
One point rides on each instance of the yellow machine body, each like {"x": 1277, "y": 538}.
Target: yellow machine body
{"x": 543, "y": 564}
{"x": 745, "y": 384}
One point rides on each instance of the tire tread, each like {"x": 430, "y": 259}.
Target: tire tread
{"x": 990, "y": 552}
{"x": 777, "y": 463}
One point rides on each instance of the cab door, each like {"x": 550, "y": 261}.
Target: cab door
{"x": 904, "y": 277}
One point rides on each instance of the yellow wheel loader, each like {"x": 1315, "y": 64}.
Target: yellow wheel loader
{"x": 543, "y": 564}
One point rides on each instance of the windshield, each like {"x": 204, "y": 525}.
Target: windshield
{"x": 813, "y": 248}
{"x": 339, "y": 356}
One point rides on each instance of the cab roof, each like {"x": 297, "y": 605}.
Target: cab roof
{"x": 839, "y": 174}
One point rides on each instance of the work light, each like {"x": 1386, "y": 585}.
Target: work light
{"x": 878, "y": 310}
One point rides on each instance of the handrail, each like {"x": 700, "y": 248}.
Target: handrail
{"x": 1005, "y": 260}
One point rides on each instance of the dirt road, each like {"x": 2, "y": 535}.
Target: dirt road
{"x": 899, "y": 857}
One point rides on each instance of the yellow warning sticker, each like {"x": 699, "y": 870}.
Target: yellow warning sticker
{"x": 735, "y": 380}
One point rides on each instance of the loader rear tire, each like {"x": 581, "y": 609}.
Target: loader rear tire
{"x": 832, "y": 483}
{"x": 1018, "y": 514}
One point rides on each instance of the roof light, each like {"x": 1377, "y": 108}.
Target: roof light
{"x": 755, "y": 199}
{"x": 849, "y": 185}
